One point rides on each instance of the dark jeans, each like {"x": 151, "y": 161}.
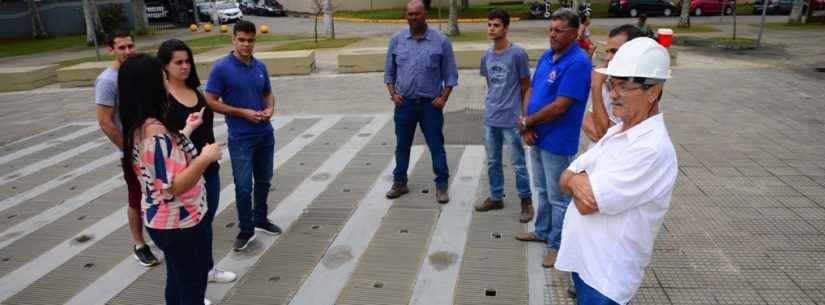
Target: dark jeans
{"x": 213, "y": 197}
{"x": 187, "y": 265}
{"x": 586, "y": 295}
{"x": 420, "y": 112}
{"x": 252, "y": 158}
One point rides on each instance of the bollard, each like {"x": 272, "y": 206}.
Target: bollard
{"x": 193, "y": 27}
{"x": 264, "y": 29}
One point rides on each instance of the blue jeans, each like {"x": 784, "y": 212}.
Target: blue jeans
{"x": 586, "y": 295}
{"x": 186, "y": 266}
{"x": 494, "y": 138}
{"x": 252, "y": 158}
{"x": 547, "y": 169}
{"x": 213, "y": 197}
{"x": 407, "y": 115}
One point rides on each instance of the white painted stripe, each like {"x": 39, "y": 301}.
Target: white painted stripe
{"x": 42, "y": 133}
{"x": 436, "y": 283}
{"x": 17, "y": 280}
{"x": 127, "y": 271}
{"x": 535, "y": 251}
{"x": 63, "y": 179}
{"x": 325, "y": 284}
{"x": 42, "y": 164}
{"x": 44, "y": 145}
{"x": 291, "y": 208}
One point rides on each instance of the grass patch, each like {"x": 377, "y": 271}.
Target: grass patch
{"x": 311, "y": 45}
{"x": 744, "y": 9}
{"x": 221, "y": 40}
{"x": 469, "y": 36}
{"x": 694, "y": 28}
{"x": 784, "y": 26}
{"x": 473, "y": 11}
{"x": 15, "y": 47}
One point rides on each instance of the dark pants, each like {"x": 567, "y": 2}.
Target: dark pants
{"x": 409, "y": 114}
{"x": 252, "y": 157}
{"x": 213, "y": 196}
{"x": 187, "y": 265}
{"x": 586, "y": 295}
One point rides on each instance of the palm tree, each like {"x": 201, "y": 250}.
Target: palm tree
{"x": 139, "y": 7}
{"x": 453, "y": 23}
{"x": 684, "y": 17}
{"x": 38, "y": 30}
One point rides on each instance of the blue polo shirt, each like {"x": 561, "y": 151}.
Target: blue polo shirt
{"x": 242, "y": 86}
{"x": 568, "y": 76}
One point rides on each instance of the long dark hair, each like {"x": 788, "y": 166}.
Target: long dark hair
{"x": 141, "y": 95}
{"x": 168, "y": 48}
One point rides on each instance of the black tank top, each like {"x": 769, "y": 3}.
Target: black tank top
{"x": 178, "y": 113}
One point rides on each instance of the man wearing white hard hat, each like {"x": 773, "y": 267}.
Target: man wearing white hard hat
{"x": 621, "y": 188}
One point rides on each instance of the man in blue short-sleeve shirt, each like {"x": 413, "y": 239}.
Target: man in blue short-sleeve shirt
{"x": 559, "y": 91}
{"x": 420, "y": 73}
{"x": 239, "y": 88}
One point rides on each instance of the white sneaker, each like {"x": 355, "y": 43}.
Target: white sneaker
{"x": 219, "y": 276}
{"x": 207, "y": 302}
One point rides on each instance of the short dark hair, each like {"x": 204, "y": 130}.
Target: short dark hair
{"x": 498, "y": 13}
{"x": 629, "y": 30}
{"x": 568, "y": 16}
{"x": 167, "y": 50}
{"x": 110, "y": 40}
{"x": 244, "y": 26}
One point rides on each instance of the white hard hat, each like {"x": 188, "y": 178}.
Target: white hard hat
{"x": 640, "y": 57}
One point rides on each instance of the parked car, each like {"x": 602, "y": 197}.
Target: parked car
{"x": 225, "y": 12}
{"x": 270, "y": 8}
{"x": 156, "y": 11}
{"x": 634, "y": 8}
{"x": 774, "y": 6}
{"x": 710, "y": 7}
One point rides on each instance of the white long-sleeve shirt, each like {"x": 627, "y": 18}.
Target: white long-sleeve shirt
{"x": 632, "y": 174}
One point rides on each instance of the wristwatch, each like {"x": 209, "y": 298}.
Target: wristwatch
{"x": 523, "y": 123}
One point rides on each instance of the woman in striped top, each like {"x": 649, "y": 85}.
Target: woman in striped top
{"x": 170, "y": 171}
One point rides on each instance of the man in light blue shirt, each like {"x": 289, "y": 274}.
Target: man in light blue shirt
{"x": 420, "y": 72}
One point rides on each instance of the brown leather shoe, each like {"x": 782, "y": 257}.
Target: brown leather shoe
{"x": 398, "y": 189}
{"x": 441, "y": 195}
{"x": 529, "y": 236}
{"x": 550, "y": 258}
{"x": 526, "y": 210}
{"x": 490, "y": 204}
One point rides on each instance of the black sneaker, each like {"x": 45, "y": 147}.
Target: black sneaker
{"x": 144, "y": 256}
{"x": 243, "y": 240}
{"x": 268, "y": 228}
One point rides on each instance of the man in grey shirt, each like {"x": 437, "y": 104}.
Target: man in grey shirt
{"x": 121, "y": 46}
{"x": 507, "y": 69}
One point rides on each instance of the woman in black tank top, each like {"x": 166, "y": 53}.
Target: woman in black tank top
{"x": 185, "y": 99}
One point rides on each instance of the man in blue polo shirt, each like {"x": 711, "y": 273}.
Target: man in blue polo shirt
{"x": 560, "y": 87}
{"x": 420, "y": 73}
{"x": 239, "y": 88}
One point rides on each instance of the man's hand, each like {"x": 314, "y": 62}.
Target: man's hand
{"x": 529, "y": 136}
{"x": 597, "y": 79}
{"x": 396, "y": 99}
{"x": 439, "y": 102}
{"x": 250, "y": 115}
{"x": 583, "y": 194}
{"x": 266, "y": 114}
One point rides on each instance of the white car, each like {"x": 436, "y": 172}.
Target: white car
{"x": 226, "y": 11}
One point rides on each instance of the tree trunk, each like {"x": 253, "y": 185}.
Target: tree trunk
{"x": 38, "y": 30}
{"x": 139, "y": 7}
{"x": 733, "y": 12}
{"x": 90, "y": 22}
{"x": 453, "y": 23}
{"x": 329, "y": 27}
{"x": 465, "y": 4}
{"x": 684, "y": 17}
{"x": 796, "y": 12}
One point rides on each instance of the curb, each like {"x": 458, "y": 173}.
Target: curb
{"x": 402, "y": 21}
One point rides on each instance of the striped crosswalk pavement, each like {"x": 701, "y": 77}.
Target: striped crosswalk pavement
{"x": 64, "y": 237}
